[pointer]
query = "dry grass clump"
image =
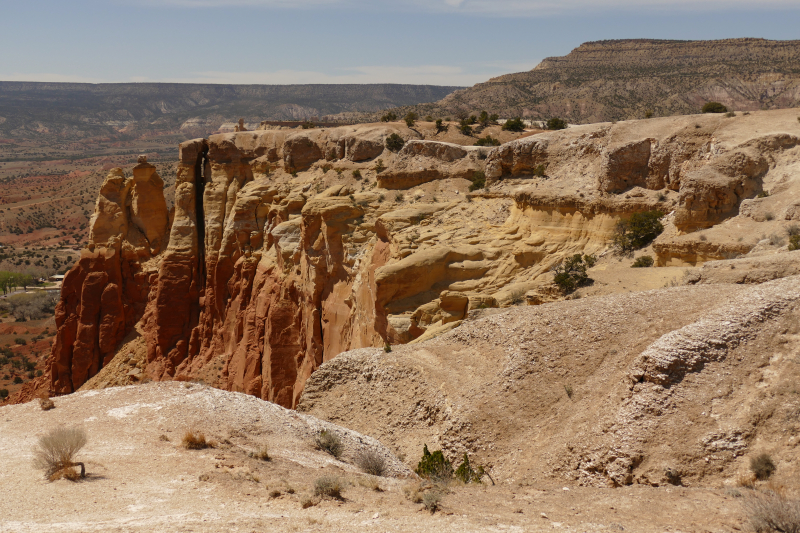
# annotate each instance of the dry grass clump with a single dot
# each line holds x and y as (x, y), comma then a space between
(762, 466)
(329, 487)
(308, 501)
(772, 511)
(432, 500)
(56, 451)
(195, 440)
(46, 403)
(371, 483)
(330, 442)
(261, 454)
(371, 462)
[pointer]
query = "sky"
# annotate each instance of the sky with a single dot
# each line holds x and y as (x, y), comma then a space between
(440, 42)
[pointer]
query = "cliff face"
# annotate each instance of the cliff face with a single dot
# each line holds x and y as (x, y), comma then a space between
(285, 249)
(622, 79)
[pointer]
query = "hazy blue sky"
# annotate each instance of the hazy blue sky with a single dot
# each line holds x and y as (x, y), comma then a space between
(445, 42)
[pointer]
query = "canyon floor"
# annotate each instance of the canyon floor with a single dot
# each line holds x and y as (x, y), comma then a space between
(140, 478)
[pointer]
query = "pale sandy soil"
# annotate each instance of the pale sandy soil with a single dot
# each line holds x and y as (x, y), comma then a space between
(138, 482)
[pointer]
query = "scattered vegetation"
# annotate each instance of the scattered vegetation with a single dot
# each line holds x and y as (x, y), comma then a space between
(371, 462)
(308, 125)
(195, 440)
(644, 261)
(571, 274)
(794, 242)
(466, 474)
(56, 451)
(329, 487)
(514, 124)
(432, 500)
(556, 123)
(539, 171)
(399, 197)
(379, 166)
(394, 142)
(648, 113)
(763, 194)
(487, 141)
(730, 114)
(714, 107)
(389, 117)
(762, 466)
(639, 230)
(770, 511)
(357, 174)
(434, 465)
(441, 126)
(262, 454)
(330, 442)
(465, 127)
(478, 181)
(410, 118)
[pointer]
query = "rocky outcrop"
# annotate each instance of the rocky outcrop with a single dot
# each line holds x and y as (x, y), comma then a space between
(419, 162)
(263, 271)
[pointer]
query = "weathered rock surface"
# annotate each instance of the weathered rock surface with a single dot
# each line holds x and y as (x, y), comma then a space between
(267, 271)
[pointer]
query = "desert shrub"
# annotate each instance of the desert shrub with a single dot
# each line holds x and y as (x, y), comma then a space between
(465, 128)
(478, 181)
(308, 125)
(644, 261)
(434, 465)
(432, 500)
(794, 242)
(441, 126)
(17, 380)
(514, 124)
(769, 511)
(371, 462)
(410, 118)
(4, 393)
(329, 487)
(394, 142)
(714, 107)
(357, 174)
(466, 473)
(195, 440)
(539, 171)
(762, 466)
(661, 197)
(730, 114)
(648, 113)
(387, 348)
(637, 231)
(556, 123)
(379, 166)
(569, 390)
(769, 216)
(330, 442)
(793, 229)
(398, 197)
(20, 340)
(46, 403)
(389, 117)
(308, 501)
(56, 451)
(571, 273)
(262, 454)
(487, 141)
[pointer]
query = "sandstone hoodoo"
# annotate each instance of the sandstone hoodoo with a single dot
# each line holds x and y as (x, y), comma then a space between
(285, 248)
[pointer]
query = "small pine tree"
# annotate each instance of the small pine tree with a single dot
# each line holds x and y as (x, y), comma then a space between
(514, 124)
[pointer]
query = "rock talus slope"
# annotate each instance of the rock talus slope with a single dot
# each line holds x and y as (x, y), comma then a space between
(286, 248)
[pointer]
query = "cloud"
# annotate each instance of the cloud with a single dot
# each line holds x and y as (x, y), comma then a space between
(510, 8)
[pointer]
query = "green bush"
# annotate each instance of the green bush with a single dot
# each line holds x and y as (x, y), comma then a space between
(387, 348)
(714, 107)
(434, 465)
(465, 128)
(308, 125)
(410, 118)
(643, 262)
(571, 273)
(483, 119)
(648, 113)
(4, 393)
(379, 166)
(539, 171)
(329, 487)
(762, 466)
(514, 124)
(487, 141)
(794, 242)
(357, 174)
(478, 181)
(556, 123)
(371, 462)
(432, 500)
(394, 142)
(467, 474)
(389, 117)
(637, 231)
(20, 340)
(441, 126)
(17, 380)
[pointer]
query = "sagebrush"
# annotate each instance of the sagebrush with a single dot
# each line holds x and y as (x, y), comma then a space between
(55, 453)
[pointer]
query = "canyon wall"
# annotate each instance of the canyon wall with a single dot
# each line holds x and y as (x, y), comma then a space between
(285, 248)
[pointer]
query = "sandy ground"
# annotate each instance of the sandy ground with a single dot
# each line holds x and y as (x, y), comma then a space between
(138, 482)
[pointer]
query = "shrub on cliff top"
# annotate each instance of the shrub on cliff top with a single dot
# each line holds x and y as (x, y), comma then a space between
(556, 123)
(637, 231)
(389, 117)
(394, 142)
(487, 141)
(514, 124)
(714, 107)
